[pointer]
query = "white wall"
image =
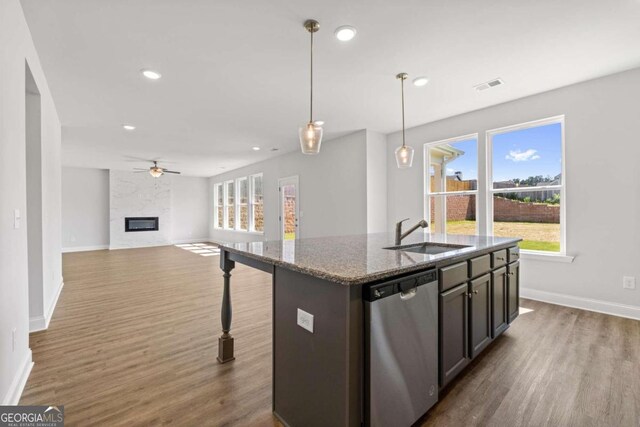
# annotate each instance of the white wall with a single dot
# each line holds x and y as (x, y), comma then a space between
(86, 194)
(332, 190)
(85, 209)
(602, 179)
(190, 204)
(17, 47)
(376, 182)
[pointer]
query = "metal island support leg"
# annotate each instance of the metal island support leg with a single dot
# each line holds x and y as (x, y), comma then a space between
(225, 342)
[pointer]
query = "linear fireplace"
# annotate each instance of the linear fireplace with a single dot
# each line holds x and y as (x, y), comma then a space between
(148, 223)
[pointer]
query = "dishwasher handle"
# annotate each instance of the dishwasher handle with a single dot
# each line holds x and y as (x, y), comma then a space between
(408, 290)
(409, 294)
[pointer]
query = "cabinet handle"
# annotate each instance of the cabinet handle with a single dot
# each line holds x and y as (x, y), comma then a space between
(475, 292)
(512, 273)
(499, 258)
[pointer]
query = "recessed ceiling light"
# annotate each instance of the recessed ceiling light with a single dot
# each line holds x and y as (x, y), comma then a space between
(345, 33)
(128, 127)
(152, 75)
(256, 148)
(420, 81)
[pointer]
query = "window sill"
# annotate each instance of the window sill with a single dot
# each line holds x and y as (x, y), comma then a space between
(545, 256)
(257, 233)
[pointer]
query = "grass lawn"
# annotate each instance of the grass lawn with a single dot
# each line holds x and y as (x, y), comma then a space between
(536, 236)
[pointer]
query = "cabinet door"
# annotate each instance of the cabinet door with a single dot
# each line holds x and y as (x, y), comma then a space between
(499, 301)
(454, 337)
(513, 291)
(479, 314)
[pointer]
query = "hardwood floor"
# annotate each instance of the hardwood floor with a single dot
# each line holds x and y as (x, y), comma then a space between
(134, 342)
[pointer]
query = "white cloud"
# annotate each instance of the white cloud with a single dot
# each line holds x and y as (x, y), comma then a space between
(522, 156)
(450, 171)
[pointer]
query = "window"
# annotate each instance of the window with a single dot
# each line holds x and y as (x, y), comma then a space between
(218, 215)
(239, 205)
(229, 205)
(243, 204)
(522, 193)
(452, 185)
(257, 206)
(526, 191)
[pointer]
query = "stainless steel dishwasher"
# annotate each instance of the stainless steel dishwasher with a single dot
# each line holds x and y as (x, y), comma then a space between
(401, 349)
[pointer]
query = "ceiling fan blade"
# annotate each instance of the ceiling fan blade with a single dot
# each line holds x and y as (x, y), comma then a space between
(166, 171)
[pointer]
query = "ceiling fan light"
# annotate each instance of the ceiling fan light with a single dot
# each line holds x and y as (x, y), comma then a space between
(310, 138)
(404, 156)
(155, 172)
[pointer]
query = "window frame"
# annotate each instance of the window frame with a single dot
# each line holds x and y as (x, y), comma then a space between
(225, 210)
(252, 203)
(224, 185)
(217, 187)
(427, 194)
(238, 204)
(562, 187)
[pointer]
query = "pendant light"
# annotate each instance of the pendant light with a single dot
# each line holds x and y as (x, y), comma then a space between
(404, 153)
(311, 133)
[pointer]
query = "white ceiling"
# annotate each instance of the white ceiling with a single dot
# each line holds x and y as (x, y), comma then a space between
(235, 73)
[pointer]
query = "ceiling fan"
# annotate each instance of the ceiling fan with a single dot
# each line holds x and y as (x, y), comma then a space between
(155, 170)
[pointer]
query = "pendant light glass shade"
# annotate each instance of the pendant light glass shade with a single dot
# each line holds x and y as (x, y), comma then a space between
(404, 156)
(311, 133)
(310, 138)
(404, 153)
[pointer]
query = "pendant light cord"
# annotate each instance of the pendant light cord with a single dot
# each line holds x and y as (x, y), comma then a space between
(402, 90)
(311, 79)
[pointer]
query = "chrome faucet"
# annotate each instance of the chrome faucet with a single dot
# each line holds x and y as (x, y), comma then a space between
(400, 235)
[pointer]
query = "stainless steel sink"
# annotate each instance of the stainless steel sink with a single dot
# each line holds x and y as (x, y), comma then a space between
(428, 248)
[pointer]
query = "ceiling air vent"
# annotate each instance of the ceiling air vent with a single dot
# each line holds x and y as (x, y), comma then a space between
(489, 84)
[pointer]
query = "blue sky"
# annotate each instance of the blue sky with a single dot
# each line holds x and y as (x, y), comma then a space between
(519, 154)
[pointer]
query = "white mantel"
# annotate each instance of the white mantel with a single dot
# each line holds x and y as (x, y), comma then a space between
(139, 195)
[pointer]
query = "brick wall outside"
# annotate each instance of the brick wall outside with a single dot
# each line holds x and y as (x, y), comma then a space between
(507, 210)
(460, 208)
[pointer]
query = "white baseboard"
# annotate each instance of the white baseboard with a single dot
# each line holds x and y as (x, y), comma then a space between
(200, 240)
(599, 306)
(85, 248)
(19, 381)
(40, 323)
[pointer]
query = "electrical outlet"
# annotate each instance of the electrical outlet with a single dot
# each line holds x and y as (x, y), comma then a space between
(305, 320)
(13, 340)
(629, 282)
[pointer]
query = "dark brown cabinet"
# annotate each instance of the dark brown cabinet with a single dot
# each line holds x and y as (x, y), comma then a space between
(478, 299)
(499, 321)
(454, 329)
(513, 282)
(479, 314)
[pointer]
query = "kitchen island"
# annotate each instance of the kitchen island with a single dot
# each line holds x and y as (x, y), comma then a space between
(321, 345)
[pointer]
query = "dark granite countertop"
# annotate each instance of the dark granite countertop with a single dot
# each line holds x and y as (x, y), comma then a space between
(358, 259)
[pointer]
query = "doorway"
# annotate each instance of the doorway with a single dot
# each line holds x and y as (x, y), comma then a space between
(33, 156)
(289, 208)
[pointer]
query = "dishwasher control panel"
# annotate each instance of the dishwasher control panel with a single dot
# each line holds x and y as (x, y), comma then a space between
(403, 284)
